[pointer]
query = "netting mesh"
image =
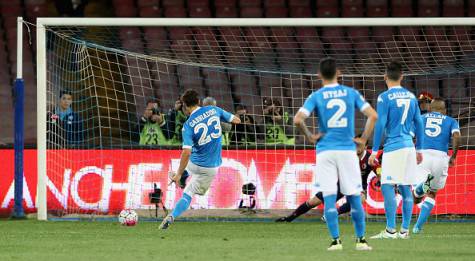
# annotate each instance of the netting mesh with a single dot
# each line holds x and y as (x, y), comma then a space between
(106, 157)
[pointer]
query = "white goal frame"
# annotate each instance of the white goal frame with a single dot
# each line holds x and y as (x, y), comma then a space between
(191, 22)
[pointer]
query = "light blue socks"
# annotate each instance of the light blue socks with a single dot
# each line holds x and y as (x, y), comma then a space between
(181, 206)
(407, 205)
(426, 208)
(390, 205)
(357, 214)
(331, 216)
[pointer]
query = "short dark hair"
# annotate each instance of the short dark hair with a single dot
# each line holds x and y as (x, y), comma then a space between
(65, 91)
(240, 107)
(327, 68)
(394, 71)
(153, 100)
(190, 98)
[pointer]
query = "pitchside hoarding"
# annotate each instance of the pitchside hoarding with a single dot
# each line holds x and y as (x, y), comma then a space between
(108, 181)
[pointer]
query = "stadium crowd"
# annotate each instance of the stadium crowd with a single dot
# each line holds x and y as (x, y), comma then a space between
(158, 127)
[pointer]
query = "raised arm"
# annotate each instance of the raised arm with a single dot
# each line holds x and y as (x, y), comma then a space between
(228, 117)
(236, 120)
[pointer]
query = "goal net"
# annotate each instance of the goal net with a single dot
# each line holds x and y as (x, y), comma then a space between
(120, 136)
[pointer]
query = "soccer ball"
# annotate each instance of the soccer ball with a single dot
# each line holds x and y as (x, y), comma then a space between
(128, 217)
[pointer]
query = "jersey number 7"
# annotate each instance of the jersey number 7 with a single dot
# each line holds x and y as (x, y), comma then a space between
(404, 103)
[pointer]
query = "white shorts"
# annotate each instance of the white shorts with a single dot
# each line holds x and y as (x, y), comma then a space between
(435, 163)
(201, 179)
(338, 166)
(399, 167)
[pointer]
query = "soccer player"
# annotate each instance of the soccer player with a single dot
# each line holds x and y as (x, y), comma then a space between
(317, 200)
(336, 149)
(398, 112)
(201, 155)
(439, 128)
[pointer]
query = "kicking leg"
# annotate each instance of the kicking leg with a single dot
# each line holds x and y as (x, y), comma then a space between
(421, 190)
(181, 206)
(427, 206)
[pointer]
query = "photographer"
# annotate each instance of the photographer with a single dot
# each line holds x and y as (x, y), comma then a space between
(277, 123)
(151, 124)
(245, 132)
(175, 119)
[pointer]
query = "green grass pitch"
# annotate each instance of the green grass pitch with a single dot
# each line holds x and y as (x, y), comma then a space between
(32, 240)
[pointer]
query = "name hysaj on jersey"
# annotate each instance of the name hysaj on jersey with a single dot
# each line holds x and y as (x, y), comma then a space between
(334, 94)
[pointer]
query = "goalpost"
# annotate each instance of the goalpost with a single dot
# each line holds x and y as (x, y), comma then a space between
(114, 66)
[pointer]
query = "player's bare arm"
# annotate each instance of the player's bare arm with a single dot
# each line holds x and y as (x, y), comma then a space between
(299, 122)
(185, 157)
(236, 120)
(372, 116)
(455, 148)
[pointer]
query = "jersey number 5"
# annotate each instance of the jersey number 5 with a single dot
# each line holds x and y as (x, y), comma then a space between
(433, 124)
(205, 138)
(337, 121)
(406, 104)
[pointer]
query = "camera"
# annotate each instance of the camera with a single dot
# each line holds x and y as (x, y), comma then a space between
(248, 189)
(248, 202)
(155, 196)
(156, 111)
(244, 118)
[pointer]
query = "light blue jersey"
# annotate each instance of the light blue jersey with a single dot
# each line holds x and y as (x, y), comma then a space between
(335, 106)
(438, 130)
(398, 116)
(202, 133)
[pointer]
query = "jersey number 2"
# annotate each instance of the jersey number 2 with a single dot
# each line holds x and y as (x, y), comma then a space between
(337, 121)
(205, 138)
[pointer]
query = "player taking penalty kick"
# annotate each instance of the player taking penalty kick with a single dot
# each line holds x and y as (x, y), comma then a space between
(337, 161)
(439, 128)
(201, 154)
(398, 113)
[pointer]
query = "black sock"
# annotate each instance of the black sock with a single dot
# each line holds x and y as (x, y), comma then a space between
(345, 208)
(302, 209)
